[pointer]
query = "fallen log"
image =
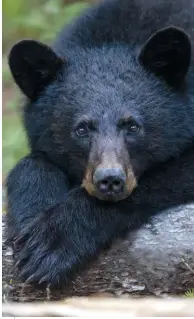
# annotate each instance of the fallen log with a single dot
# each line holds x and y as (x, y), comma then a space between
(158, 259)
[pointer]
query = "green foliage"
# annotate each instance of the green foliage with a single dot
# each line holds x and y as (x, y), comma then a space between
(190, 293)
(13, 104)
(14, 144)
(6, 74)
(38, 19)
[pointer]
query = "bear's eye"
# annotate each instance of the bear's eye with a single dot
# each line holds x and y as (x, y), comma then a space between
(82, 130)
(132, 127)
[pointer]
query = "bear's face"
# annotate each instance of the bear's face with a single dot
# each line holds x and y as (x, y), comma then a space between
(110, 114)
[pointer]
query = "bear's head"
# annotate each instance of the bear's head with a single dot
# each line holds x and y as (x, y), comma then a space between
(108, 113)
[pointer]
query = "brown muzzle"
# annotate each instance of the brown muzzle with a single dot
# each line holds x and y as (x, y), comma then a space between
(109, 179)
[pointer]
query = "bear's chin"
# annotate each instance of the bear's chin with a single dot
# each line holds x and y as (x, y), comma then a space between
(92, 191)
(112, 198)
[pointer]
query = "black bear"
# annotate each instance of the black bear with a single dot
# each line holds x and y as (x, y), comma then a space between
(109, 117)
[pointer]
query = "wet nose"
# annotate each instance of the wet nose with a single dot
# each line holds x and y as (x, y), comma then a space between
(110, 181)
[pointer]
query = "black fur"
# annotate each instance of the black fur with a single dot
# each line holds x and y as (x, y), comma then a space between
(101, 72)
(55, 243)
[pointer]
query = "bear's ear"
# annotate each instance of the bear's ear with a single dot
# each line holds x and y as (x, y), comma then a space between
(33, 65)
(167, 54)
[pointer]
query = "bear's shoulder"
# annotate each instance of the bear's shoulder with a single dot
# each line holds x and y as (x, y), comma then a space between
(125, 21)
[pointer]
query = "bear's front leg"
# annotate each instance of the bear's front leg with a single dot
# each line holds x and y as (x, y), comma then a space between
(33, 185)
(64, 238)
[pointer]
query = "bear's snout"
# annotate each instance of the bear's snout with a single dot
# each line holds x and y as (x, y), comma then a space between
(109, 174)
(110, 181)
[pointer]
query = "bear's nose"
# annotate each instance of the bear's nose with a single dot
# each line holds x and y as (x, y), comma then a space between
(110, 181)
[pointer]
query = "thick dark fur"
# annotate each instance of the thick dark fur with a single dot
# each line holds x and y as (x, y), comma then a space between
(55, 225)
(57, 242)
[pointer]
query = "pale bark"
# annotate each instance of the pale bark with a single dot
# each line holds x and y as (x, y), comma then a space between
(155, 260)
